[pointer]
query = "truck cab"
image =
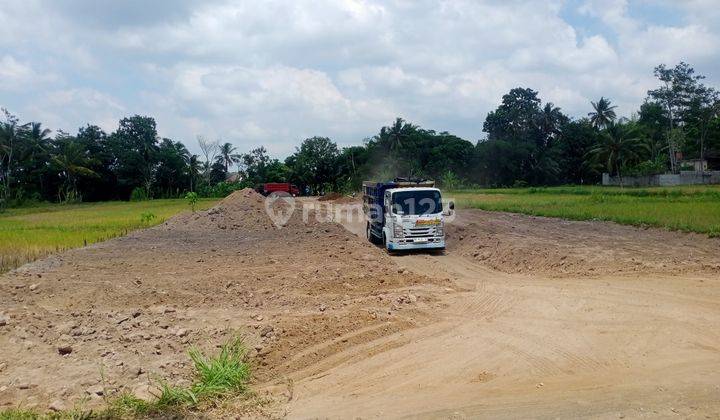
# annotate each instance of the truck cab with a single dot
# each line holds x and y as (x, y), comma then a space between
(405, 215)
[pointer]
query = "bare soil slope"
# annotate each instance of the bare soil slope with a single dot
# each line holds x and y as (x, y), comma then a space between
(542, 340)
(515, 243)
(126, 311)
(520, 317)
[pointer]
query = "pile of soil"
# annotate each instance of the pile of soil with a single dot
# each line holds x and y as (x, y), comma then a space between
(330, 197)
(115, 316)
(515, 243)
(241, 210)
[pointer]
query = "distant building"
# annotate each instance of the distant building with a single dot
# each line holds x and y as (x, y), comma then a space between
(696, 165)
(234, 177)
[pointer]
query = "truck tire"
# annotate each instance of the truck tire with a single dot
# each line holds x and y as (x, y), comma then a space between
(372, 238)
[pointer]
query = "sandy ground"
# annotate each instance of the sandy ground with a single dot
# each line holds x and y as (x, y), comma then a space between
(520, 317)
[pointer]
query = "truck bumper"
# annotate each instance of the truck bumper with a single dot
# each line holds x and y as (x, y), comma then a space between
(395, 246)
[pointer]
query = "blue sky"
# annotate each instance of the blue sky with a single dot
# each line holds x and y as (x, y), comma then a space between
(273, 73)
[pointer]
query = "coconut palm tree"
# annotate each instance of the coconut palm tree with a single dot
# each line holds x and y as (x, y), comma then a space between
(551, 119)
(194, 167)
(396, 134)
(604, 113)
(36, 152)
(73, 163)
(618, 146)
(9, 140)
(227, 155)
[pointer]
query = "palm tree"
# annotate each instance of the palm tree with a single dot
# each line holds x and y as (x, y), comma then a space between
(73, 163)
(9, 140)
(194, 167)
(604, 113)
(618, 146)
(394, 135)
(227, 155)
(37, 152)
(551, 119)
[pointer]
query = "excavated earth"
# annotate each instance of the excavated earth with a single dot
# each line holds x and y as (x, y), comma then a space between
(118, 315)
(520, 317)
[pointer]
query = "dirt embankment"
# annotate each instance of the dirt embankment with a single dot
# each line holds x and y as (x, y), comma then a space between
(338, 328)
(115, 316)
(514, 243)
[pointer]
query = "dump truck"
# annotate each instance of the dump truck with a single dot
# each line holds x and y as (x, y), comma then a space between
(405, 214)
(280, 188)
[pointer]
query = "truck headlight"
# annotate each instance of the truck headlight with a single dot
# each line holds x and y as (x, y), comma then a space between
(397, 230)
(439, 230)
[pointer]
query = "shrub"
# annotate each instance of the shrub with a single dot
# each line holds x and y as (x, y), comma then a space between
(647, 168)
(449, 180)
(192, 199)
(147, 217)
(139, 194)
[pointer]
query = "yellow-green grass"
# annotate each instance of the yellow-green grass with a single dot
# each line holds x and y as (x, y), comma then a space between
(685, 208)
(30, 233)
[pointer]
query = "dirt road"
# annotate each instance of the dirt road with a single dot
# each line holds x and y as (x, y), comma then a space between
(642, 344)
(521, 317)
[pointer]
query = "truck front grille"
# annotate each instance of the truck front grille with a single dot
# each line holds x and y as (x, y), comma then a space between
(419, 232)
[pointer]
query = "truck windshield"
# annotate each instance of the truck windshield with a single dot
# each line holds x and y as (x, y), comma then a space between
(417, 202)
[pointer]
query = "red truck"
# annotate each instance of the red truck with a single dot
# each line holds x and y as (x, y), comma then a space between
(280, 187)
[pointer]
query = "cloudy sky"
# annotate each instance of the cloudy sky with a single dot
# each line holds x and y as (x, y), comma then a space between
(274, 72)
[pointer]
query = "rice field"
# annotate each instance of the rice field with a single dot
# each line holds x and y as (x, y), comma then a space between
(27, 234)
(685, 208)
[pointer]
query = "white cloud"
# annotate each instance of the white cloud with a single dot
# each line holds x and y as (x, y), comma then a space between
(70, 109)
(18, 76)
(274, 73)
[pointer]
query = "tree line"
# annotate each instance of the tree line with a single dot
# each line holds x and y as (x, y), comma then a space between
(527, 143)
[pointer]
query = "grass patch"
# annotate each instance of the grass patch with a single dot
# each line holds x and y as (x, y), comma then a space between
(223, 375)
(217, 378)
(17, 414)
(27, 234)
(686, 208)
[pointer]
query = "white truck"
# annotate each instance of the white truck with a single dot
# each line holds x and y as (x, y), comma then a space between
(405, 214)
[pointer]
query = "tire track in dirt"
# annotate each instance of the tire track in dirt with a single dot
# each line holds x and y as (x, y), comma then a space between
(533, 345)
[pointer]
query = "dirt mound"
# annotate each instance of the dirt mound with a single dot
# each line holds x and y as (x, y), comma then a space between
(242, 210)
(131, 307)
(331, 196)
(515, 243)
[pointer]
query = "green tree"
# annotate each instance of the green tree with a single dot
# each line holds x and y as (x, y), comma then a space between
(315, 163)
(135, 148)
(9, 144)
(516, 119)
(395, 135)
(679, 88)
(619, 146)
(227, 155)
(172, 172)
(523, 131)
(194, 166)
(603, 113)
(578, 137)
(103, 187)
(652, 123)
(73, 162)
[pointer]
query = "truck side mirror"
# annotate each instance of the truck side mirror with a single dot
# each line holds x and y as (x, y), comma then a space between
(452, 205)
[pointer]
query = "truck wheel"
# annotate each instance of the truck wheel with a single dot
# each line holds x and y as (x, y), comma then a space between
(370, 237)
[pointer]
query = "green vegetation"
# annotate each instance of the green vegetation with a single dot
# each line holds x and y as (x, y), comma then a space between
(526, 142)
(192, 200)
(688, 208)
(217, 379)
(32, 232)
